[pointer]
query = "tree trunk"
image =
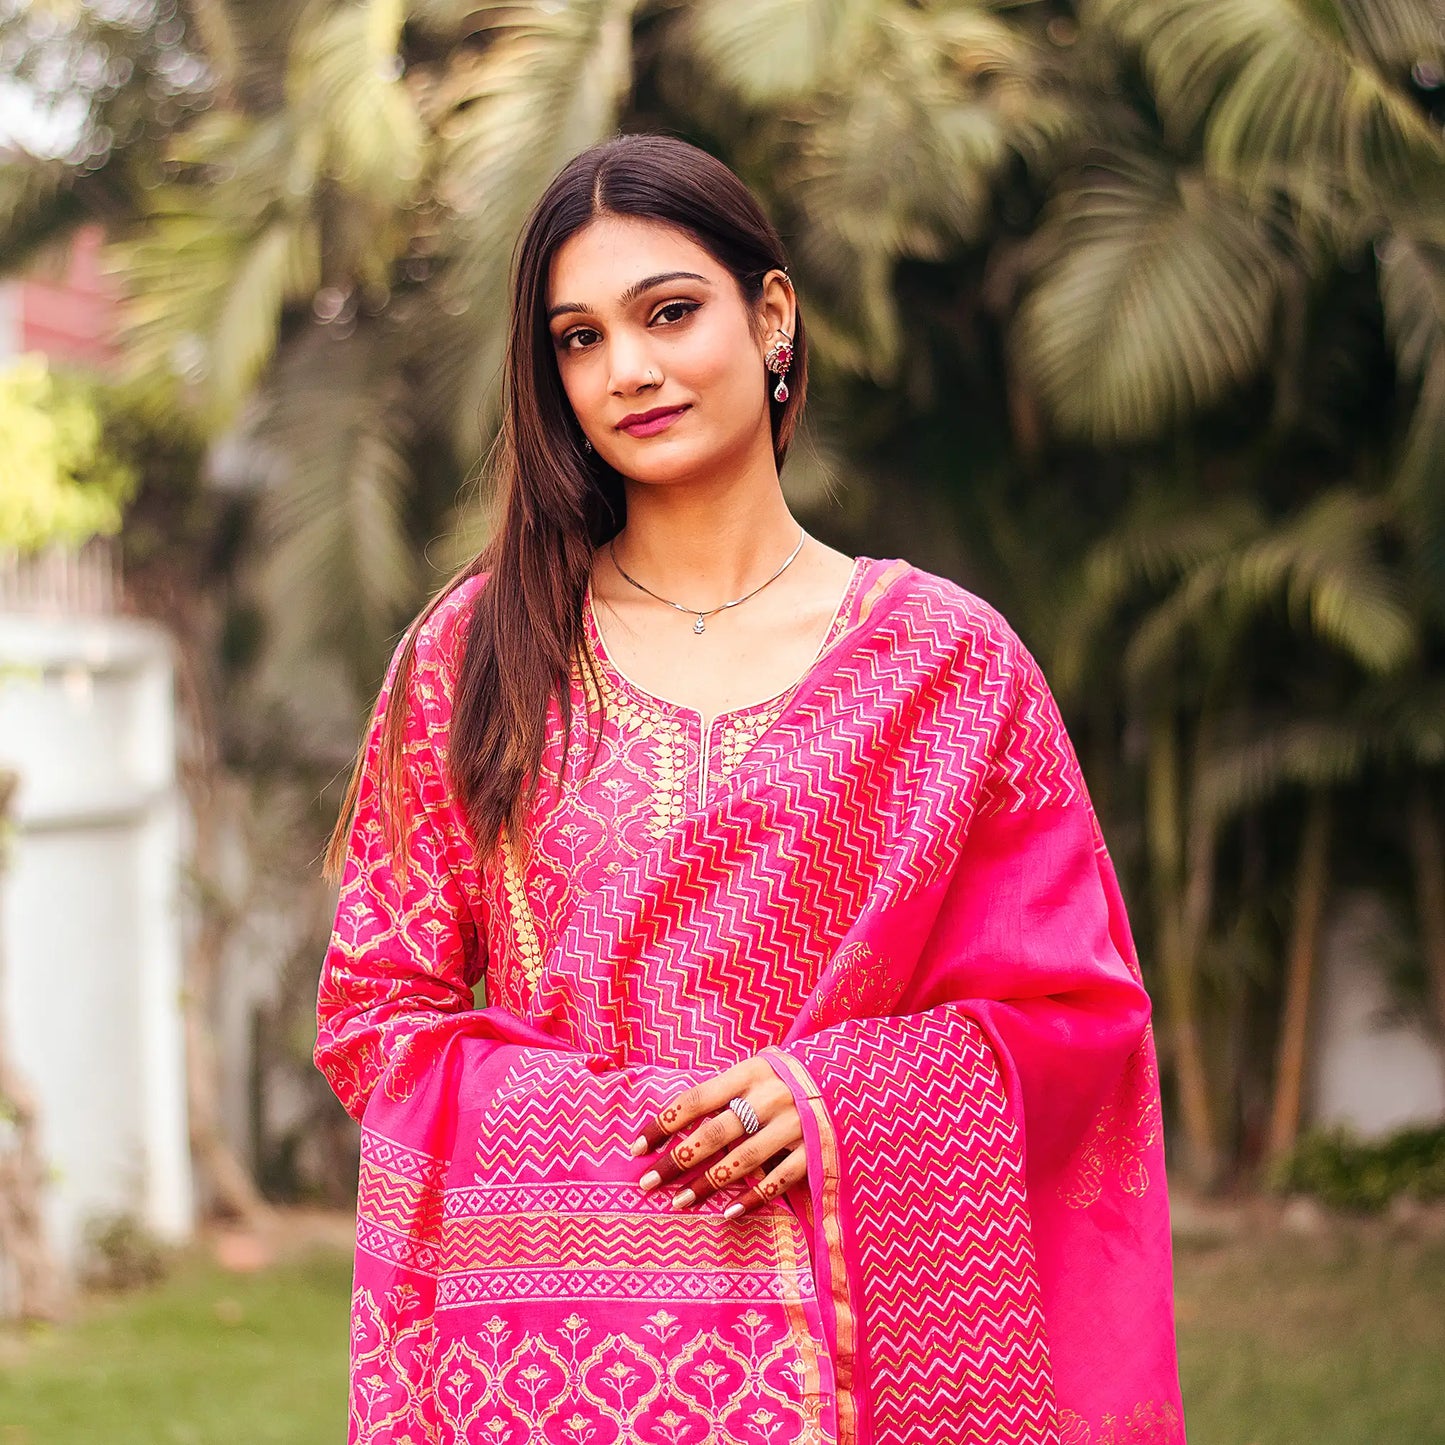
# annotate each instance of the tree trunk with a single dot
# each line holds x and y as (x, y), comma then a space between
(224, 1183)
(1178, 952)
(1427, 852)
(227, 1187)
(36, 1287)
(1311, 884)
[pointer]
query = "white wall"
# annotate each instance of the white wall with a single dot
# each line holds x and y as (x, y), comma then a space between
(1375, 1068)
(90, 918)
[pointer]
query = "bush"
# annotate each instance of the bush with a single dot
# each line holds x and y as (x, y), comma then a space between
(1350, 1173)
(121, 1253)
(63, 484)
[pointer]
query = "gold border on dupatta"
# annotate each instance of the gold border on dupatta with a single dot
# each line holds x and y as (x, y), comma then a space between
(798, 1326)
(845, 1318)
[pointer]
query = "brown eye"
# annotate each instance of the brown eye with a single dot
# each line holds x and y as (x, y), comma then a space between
(686, 307)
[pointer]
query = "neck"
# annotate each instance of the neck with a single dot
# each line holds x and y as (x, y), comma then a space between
(705, 542)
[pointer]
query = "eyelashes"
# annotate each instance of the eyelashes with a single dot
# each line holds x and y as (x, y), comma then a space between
(564, 342)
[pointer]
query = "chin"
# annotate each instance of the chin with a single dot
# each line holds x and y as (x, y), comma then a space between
(659, 470)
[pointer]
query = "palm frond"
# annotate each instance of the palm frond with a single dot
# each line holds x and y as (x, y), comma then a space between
(344, 77)
(1284, 91)
(208, 273)
(1417, 721)
(1157, 546)
(1412, 290)
(248, 45)
(338, 574)
(1156, 298)
(1396, 722)
(1394, 34)
(1189, 612)
(1221, 568)
(770, 51)
(1324, 564)
(1310, 753)
(36, 206)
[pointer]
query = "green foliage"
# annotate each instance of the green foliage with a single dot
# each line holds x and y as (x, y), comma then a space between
(1155, 297)
(1350, 1173)
(1282, 1340)
(1285, 96)
(62, 482)
(105, 84)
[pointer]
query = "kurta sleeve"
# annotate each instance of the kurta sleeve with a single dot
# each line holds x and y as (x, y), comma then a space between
(405, 950)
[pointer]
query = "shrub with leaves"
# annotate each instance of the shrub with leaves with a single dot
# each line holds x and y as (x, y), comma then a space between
(62, 483)
(1350, 1173)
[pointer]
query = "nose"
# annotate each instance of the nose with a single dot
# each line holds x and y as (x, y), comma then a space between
(630, 362)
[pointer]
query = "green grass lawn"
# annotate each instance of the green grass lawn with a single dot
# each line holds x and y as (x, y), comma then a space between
(207, 1358)
(1283, 1341)
(1331, 1341)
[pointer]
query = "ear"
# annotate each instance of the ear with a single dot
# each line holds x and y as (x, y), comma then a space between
(778, 306)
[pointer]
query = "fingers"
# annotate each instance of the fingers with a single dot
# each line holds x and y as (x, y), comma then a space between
(781, 1134)
(793, 1170)
(702, 1143)
(752, 1079)
(776, 1149)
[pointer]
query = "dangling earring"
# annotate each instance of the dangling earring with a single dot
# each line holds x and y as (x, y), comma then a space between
(587, 443)
(779, 358)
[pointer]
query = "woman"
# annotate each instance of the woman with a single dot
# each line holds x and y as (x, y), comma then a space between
(813, 1097)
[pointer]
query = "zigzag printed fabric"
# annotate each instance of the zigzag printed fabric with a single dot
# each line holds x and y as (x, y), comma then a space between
(890, 883)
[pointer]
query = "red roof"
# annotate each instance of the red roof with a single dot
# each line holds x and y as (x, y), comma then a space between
(70, 315)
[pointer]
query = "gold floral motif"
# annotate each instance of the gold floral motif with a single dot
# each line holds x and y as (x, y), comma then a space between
(857, 983)
(577, 1381)
(1150, 1422)
(738, 734)
(668, 753)
(1117, 1146)
(524, 923)
(669, 775)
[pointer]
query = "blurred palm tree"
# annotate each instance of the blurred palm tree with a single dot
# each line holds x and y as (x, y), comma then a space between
(1183, 597)
(1166, 275)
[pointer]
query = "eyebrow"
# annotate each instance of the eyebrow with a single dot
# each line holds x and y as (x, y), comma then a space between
(632, 293)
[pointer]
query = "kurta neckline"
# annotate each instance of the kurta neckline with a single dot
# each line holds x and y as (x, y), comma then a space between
(641, 695)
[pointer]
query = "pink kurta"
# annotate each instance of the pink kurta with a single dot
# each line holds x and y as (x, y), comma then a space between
(889, 881)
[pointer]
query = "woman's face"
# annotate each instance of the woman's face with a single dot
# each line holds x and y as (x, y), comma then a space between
(628, 299)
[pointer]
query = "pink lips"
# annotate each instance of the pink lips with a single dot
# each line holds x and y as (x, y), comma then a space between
(653, 424)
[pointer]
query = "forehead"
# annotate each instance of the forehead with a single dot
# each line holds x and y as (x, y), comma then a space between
(595, 265)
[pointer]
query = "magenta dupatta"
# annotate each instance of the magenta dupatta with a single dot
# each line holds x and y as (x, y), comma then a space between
(899, 894)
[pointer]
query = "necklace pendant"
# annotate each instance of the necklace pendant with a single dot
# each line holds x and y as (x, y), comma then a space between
(698, 625)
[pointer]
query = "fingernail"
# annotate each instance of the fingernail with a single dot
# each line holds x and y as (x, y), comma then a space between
(638, 1146)
(732, 1211)
(681, 1201)
(649, 1179)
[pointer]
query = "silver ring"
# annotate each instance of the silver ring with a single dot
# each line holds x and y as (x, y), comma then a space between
(744, 1111)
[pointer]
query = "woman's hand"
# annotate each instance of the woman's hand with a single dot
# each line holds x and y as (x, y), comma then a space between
(781, 1134)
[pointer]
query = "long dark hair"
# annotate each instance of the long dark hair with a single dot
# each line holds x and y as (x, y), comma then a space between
(561, 502)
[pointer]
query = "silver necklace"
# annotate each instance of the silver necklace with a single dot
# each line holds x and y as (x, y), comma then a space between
(698, 626)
